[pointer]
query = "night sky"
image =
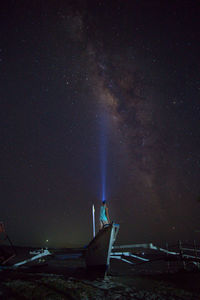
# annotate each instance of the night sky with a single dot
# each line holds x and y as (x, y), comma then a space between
(100, 99)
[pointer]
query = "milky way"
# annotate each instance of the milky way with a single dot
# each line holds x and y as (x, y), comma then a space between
(131, 95)
(100, 93)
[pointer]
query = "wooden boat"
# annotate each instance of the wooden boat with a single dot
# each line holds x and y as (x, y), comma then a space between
(98, 251)
(97, 254)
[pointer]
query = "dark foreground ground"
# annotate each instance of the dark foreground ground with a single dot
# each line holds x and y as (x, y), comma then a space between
(68, 279)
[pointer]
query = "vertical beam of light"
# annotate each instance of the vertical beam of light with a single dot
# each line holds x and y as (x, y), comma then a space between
(103, 154)
(103, 173)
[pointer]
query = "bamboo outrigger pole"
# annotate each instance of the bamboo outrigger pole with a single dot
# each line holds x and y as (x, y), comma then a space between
(93, 219)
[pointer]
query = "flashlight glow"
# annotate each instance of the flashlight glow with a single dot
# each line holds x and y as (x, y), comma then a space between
(103, 159)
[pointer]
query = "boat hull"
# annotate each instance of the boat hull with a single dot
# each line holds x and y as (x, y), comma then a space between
(99, 249)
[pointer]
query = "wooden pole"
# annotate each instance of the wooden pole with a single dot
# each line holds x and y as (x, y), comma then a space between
(167, 257)
(181, 253)
(93, 219)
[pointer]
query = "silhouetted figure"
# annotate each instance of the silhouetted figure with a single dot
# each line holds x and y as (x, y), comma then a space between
(104, 216)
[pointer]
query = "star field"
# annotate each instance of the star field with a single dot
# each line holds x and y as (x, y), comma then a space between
(99, 87)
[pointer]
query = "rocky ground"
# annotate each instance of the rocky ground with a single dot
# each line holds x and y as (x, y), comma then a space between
(68, 279)
(23, 285)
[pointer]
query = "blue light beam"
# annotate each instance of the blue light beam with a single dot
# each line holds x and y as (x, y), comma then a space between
(103, 155)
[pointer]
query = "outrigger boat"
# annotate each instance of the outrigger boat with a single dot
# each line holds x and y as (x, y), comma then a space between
(98, 252)
(12, 257)
(186, 254)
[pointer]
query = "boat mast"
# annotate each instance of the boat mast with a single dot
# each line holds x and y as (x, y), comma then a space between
(93, 218)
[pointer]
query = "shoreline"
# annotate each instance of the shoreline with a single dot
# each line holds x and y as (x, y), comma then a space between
(68, 279)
